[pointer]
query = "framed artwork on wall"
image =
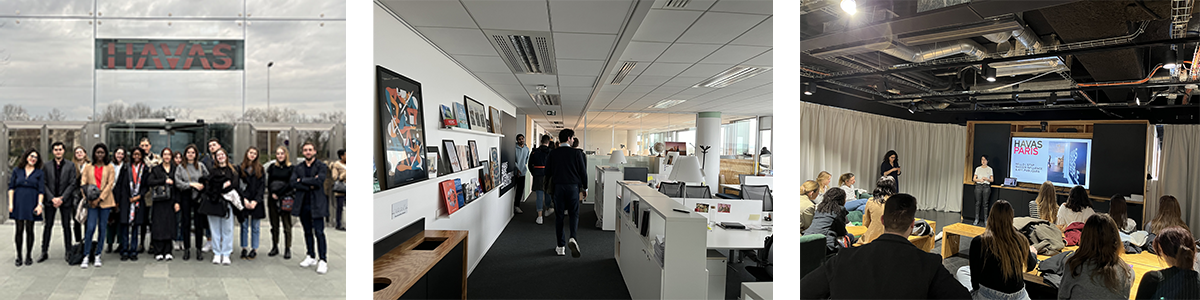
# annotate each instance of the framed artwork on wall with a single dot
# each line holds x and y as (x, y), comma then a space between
(476, 114)
(402, 128)
(494, 166)
(431, 158)
(452, 155)
(474, 151)
(496, 120)
(460, 114)
(449, 196)
(448, 119)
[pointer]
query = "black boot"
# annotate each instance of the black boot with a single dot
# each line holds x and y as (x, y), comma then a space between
(274, 251)
(244, 253)
(187, 253)
(44, 257)
(287, 253)
(199, 255)
(18, 260)
(253, 254)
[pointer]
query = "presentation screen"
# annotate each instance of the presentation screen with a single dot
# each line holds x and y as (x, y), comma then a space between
(1063, 162)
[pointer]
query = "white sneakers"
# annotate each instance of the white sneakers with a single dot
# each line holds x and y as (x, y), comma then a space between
(539, 220)
(225, 260)
(308, 261)
(322, 267)
(216, 259)
(158, 257)
(97, 263)
(169, 257)
(550, 212)
(574, 247)
(178, 245)
(560, 251)
(207, 246)
(85, 263)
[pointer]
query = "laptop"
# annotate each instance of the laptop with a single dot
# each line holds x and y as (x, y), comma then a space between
(1010, 181)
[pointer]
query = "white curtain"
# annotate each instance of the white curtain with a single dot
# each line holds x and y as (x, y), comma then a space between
(1180, 174)
(844, 141)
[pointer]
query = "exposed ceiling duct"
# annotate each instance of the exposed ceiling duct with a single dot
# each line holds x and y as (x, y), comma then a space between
(937, 50)
(1030, 66)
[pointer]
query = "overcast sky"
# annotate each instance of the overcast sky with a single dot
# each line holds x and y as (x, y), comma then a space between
(48, 63)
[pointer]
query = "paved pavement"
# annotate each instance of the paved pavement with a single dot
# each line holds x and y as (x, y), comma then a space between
(262, 278)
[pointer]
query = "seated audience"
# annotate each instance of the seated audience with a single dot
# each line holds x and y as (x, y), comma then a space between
(1096, 270)
(884, 188)
(823, 179)
(808, 191)
(830, 220)
(1169, 215)
(1118, 210)
(1045, 207)
(889, 268)
(1176, 246)
(846, 183)
(1077, 208)
(998, 257)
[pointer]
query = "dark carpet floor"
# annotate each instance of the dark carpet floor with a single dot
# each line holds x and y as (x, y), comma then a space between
(522, 265)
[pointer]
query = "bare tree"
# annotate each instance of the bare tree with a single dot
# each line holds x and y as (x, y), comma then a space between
(14, 112)
(56, 115)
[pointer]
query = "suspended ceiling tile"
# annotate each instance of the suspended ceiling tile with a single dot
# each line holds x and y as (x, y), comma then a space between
(490, 64)
(683, 81)
(584, 92)
(590, 16)
(459, 41)
(662, 25)
(763, 7)
(733, 54)
(687, 53)
(760, 35)
(498, 78)
(643, 52)
(509, 14)
(432, 13)
(583, 46)
(700, 5)
(576, 81)
(666, 69)
(705, 70)
(550, 81)
(719, 28)
(580, 67)
(762, 60)
(650, 80)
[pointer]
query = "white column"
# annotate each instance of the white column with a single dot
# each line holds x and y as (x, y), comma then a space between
(631, 146)
(708, 133)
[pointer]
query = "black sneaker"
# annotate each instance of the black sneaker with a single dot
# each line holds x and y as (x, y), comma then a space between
(244, 253)
(274, 251)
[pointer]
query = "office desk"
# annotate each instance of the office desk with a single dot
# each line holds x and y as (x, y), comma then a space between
(757, 290)
(730, 186)
(736, 239)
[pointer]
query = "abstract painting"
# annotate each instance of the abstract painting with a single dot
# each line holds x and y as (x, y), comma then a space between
(402, 127)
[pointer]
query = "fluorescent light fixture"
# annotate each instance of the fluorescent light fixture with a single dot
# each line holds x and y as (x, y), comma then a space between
(849, 6)
(731, 76)
(666, 104)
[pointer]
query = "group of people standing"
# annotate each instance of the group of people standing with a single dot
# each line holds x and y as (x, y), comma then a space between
(172, 195)
(559, 180)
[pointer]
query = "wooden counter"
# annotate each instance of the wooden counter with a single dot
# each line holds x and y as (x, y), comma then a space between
(404, 267)
(1141, 263)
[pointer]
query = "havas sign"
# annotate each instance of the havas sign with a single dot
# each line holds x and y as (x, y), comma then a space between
(172, 55)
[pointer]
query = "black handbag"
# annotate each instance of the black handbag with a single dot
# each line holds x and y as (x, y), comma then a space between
(159, 193)
(339, 187)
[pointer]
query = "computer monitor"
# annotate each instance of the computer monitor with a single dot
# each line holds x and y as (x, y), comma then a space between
(637, 173)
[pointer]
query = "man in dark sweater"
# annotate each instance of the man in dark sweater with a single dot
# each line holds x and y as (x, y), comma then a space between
(566, 168)
(890, 267)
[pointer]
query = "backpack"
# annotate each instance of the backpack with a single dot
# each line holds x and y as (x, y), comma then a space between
(75, 254)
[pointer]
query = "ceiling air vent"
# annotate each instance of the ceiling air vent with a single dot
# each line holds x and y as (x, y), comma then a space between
(625, 69)
(525, 52)
(676, 3)
(556, 122)
(545, 99)
(731, 76)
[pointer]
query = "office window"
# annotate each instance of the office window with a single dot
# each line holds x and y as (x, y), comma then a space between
(738, 138)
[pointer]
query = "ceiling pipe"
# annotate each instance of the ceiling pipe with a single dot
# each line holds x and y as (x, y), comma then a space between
(1074, 89)
(937, 50)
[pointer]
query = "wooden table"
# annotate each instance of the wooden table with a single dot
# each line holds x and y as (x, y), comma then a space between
(403, 267)
(951, 234)
(1141, 263)
(925, 242)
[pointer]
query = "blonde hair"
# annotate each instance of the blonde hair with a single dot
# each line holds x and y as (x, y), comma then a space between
(808, 187)
(80, 163)
(287, 161)
(844, 178)
(1047, 202)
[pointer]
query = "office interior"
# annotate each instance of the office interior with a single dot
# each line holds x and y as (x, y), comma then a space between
(671, 101)
(945, 82)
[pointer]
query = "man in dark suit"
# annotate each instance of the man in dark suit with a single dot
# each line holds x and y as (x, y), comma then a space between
(308, 178)
(62, 190)
(890, 267)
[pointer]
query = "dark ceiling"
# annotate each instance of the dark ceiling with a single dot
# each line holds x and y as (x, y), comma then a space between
(849, 61)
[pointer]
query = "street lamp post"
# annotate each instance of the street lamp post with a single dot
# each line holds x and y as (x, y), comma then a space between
(269, 64)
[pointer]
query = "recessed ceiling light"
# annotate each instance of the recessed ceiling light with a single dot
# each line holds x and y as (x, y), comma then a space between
(731, 76)
(849, 6)
(666, 104)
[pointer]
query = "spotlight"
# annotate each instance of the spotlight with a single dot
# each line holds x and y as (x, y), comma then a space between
(1169, 62)
(849, 6)
(989, 73)
(1141, 96)
(1053, 99)
(912, 107)
(810, 89)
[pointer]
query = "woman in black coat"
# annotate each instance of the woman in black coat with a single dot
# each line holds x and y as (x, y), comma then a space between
(222, 179)
(891, 167)
(254, 179)
(130, 188)
(278, 174)
(162, 212)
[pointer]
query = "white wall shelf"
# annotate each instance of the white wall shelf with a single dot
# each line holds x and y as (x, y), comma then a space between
(464, 130)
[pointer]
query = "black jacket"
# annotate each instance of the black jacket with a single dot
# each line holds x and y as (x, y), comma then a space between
(309, 182)
(890, 267)
(213, 201)
(158, 176)
(538, 159)
(566, 165)
(255, 187)
(277, 173)
(123, 195)
(68, 183)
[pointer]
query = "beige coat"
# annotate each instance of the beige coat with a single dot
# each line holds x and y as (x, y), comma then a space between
(108, 181)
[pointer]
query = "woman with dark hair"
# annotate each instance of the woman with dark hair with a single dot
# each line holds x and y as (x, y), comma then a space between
(983, 189)
(873, 215)
(1096, 270)
(830, 220)
(163, 226)
(100, 174)
(253, 176)
(1169, 215)
(1177, 248)
(891, 167)
(1077, 208)
(998, 258)
(118, 163)
(26, 191)
(1119, 211)
(189, 181)
(219, 207)
(537, 168)
(131, 210)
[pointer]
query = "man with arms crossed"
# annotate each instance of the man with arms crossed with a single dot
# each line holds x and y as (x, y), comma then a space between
(890, 267)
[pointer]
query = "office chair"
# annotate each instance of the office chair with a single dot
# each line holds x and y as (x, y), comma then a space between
(671, 189)
(762, 272)
(696, 192)
(758, 192)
